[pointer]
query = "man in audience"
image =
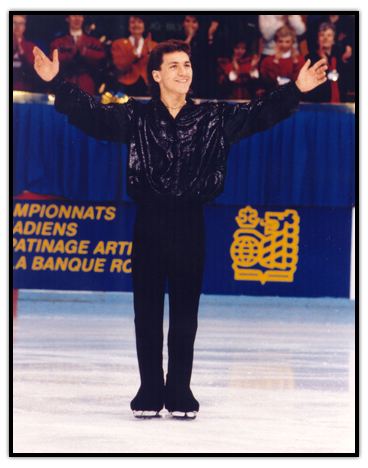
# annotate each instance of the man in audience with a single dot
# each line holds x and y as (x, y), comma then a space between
(80, 55)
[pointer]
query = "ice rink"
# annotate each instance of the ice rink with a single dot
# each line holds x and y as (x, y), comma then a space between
(272, 375)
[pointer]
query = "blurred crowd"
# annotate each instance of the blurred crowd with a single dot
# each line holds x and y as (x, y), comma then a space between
(233, 56)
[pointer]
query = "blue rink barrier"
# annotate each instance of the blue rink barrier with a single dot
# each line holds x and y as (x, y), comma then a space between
(250, 250)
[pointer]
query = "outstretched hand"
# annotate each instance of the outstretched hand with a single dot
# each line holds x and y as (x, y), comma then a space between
(311, 77)
(46, 68)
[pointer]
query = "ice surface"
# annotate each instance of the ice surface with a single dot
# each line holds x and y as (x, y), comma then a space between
(272, 375)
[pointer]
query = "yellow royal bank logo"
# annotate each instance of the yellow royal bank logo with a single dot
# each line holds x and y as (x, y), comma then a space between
(270, 243)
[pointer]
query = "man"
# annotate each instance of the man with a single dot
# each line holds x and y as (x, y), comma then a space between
(177, 162)
(80, 55)
(23, 72)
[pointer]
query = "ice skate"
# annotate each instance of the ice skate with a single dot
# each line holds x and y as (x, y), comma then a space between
(183, 415)
(139, 414)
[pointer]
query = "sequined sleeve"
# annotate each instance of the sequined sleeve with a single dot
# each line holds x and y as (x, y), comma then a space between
(246, 119)
(109, 122)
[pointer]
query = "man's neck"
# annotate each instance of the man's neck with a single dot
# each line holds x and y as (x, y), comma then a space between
(173, 102)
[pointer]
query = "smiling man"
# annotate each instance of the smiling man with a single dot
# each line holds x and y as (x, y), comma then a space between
(177, 162)
(174, 78)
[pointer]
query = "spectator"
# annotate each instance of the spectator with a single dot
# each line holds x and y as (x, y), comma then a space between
(329, 91)
(80, 55)
(238, 75)
(23, 72)
(130, 57)
(345, 41)
(269, 24)
(285, 64)
(344, 31)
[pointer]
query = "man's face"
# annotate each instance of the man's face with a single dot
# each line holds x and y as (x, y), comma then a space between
(175, 75)
(136, 26)
(284, 43)
(75, 21)
(190, 23)
(19, 25)
(326, 39)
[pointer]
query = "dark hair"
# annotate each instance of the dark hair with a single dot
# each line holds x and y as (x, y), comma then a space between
(231, 44)
(144, 18)
(156, 58)
(197, 17)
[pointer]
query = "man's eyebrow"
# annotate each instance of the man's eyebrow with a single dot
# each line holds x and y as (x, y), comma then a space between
(175, 63)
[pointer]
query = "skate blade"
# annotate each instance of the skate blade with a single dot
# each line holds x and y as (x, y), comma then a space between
(182, 415)
(146, 414)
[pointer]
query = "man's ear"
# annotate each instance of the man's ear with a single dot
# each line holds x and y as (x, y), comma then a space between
(156, 75)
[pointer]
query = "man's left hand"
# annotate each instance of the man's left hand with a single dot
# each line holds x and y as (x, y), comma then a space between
(311, 77)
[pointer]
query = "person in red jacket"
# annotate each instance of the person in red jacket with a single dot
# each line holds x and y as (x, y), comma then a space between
(23, 59)
(238, 75)
(80, 55)
(130, 57)
(285, 64)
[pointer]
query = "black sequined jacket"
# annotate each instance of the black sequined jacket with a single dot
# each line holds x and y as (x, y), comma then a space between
(181, 160)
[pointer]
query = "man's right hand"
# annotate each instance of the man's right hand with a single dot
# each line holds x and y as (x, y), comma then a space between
(46, 68)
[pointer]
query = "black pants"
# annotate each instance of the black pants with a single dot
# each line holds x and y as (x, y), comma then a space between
(168, 245)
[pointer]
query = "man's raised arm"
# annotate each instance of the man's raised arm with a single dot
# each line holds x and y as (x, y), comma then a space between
(244, 120)
(104, 122)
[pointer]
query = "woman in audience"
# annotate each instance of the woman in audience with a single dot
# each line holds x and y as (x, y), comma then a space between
(328, 49)
(269, 24)
(285, 64)
(238, 75)
(130, 57)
